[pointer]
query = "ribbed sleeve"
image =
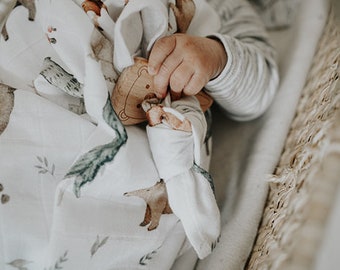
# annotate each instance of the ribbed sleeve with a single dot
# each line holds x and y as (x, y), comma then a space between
(248, 83)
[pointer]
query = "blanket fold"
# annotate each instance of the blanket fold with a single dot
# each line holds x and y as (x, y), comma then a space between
(72, 74)
(177, 154)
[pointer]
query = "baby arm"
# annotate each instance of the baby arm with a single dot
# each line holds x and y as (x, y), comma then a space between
(237, 67)
(246, 87)
(186, 63)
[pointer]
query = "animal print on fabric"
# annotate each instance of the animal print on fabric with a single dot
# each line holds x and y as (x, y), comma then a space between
(6, 105)
(29, 4)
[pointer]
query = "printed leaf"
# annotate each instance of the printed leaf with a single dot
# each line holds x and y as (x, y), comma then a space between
(45, 162)
(88, 165)
(43, 168)
(19, 264)
(97, 244)
(144, 260)
(103, 242)
(205, 174)
(64, 257)
(112, 120)
(59, 262)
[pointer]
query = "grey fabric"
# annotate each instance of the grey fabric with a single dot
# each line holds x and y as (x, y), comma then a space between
(276, 13)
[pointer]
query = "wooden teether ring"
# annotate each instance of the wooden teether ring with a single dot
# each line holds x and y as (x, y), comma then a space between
(133, 86)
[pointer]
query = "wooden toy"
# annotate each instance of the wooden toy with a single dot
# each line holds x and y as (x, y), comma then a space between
(135, 85)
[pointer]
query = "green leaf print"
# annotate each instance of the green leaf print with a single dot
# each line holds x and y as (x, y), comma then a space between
(98, 244)
(58, 264)
(19, 264)
(88, 165)
(111, 118)
(146, 258)
(205, 174)
(43, 166)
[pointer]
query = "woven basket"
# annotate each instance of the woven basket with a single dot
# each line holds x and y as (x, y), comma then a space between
(299, 198)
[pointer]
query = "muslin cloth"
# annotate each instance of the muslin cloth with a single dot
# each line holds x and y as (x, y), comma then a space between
(76, 167)
(178, 159)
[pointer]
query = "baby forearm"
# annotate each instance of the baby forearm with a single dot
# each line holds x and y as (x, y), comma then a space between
(248, 83)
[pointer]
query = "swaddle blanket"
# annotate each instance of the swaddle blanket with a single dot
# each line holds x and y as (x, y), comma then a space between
(66, 161)
(187, 185)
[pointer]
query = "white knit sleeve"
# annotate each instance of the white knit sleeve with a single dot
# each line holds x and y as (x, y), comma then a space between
(248, 83)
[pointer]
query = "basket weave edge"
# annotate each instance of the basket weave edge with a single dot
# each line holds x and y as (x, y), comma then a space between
(290, 195)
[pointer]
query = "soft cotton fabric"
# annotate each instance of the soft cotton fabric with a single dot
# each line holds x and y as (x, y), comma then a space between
(75, 224)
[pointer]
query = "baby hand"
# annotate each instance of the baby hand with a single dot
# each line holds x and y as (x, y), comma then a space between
(185, 63)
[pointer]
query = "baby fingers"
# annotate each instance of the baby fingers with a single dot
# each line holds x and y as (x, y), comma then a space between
(160, 51)
(185, 63)
(165, 73)
(187, 80)
(180, 78)
(196, 84)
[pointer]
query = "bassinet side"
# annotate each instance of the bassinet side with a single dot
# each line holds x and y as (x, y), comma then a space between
(299, 199)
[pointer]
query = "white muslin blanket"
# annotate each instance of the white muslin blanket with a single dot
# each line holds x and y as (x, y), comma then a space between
(66, 161)
(177, 156)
